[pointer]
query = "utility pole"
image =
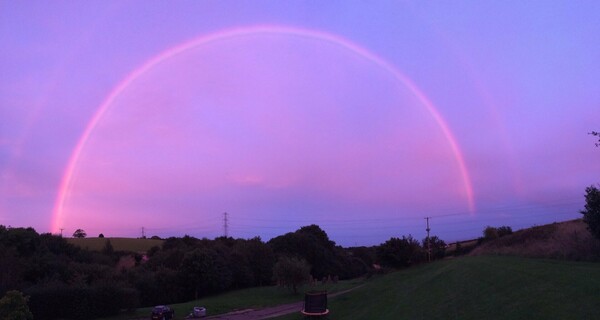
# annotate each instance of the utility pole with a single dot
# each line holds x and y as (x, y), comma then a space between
(143, 233)
(61, 230)
(428, 243)
(225, 225)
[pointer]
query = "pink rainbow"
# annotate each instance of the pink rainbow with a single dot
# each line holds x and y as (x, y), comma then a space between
(65, 184)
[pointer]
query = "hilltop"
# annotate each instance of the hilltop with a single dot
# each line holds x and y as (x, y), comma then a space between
(569, 240)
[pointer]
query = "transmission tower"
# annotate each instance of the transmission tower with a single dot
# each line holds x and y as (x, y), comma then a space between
(225, 225)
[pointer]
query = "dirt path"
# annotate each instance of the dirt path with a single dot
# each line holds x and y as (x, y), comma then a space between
(271, 312)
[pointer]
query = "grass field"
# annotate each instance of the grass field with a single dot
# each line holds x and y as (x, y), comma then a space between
(484, 287)
(481, 287)
(252, 298)
(119, 244)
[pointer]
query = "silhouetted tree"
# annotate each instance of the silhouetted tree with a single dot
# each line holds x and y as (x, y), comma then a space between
(108, 248)
(399, 253)
(291, 272)
(101, 235)
(504, 231)
(490, 233)
(205, 270)
(597, 134)
(591, 212)
(312, 244)
(79, 233)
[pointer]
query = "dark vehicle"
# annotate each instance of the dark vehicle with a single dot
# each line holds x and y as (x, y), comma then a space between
(162, 313)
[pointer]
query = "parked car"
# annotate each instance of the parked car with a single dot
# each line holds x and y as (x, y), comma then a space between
(197, 312)
(162, 313)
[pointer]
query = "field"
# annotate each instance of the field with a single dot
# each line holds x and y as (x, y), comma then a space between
(119, 244)
(481, 287)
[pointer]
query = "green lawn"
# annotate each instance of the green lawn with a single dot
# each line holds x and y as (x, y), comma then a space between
(484, 287)
(252, 298)
(477, 288)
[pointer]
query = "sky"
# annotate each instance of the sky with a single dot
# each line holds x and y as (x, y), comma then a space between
(364, 117)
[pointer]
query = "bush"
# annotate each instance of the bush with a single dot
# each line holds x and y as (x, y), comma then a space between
(398, 253)
(504, 231)
(13, 306)
(490, 233)
(591, 213)
(59, 301)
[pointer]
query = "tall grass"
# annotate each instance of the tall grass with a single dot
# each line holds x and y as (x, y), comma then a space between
(568, 240)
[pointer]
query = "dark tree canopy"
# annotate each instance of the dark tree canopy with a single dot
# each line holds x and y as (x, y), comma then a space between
(591, 212)
(13, 306)
(399, 253)
(437, 245)
(79, 233)
(597, 134)
(291, 272)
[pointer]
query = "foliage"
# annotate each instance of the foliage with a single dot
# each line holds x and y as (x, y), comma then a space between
(504, 231)
(57, 301)
(13, 306)
(291, 272)
(205, 270)
(399, 253)
(458, 250)
(79, 233)
(437, 245)
(591, 212)
(490, 233)
(108, 248)
(597, 134)
(119, 244)
(325, 257)
(67, 281)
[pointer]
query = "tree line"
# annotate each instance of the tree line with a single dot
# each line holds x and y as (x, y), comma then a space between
(63, 281)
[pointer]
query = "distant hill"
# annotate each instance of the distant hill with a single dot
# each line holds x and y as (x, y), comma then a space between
(119, 244)
(569, 240)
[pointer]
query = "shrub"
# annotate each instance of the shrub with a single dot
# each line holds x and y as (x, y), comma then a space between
(13, 306)
(591, 213)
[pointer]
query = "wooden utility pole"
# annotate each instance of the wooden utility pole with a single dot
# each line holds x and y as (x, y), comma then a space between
(225, 225)
(428, 243)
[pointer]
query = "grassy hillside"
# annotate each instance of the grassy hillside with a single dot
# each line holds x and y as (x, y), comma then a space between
(569, 240)
(119, 244)
(477, 288)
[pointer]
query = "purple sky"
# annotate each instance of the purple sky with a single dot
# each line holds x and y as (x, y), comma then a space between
(361, 117)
